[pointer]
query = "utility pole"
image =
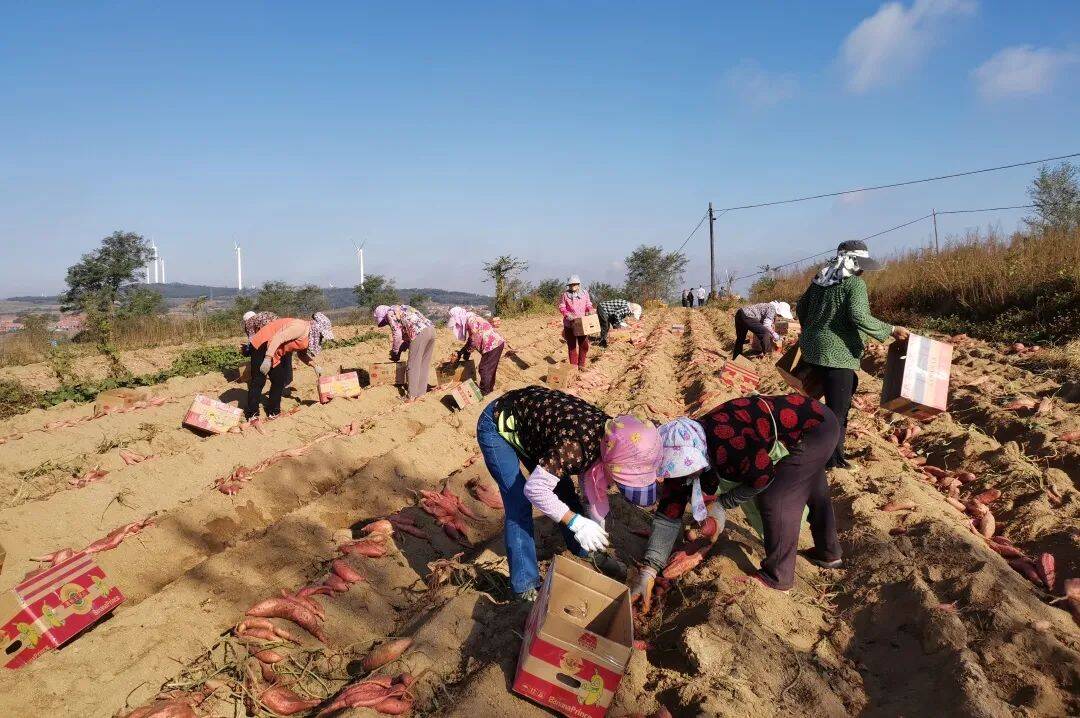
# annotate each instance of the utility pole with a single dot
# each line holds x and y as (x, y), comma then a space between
(712, 253)
(937, 249)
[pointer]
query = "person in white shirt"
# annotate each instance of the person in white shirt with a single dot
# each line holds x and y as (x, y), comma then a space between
(701, 295)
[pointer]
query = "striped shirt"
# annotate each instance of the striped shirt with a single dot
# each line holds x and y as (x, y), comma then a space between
(614, 309)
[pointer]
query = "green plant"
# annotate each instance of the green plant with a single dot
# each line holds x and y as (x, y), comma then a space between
(61, 361)
(16, 398)
(376, 290)
(653, 274)
(504, 271)
(203, 360)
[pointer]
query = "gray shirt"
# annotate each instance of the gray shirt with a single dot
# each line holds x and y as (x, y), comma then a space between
(764, 313)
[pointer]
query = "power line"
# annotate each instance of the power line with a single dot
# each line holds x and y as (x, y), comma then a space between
(902, 184)
(988, 209)
(692, 232)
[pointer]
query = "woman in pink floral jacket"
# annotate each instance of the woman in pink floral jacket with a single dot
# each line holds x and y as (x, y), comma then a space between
(478, 334)
(575, 303)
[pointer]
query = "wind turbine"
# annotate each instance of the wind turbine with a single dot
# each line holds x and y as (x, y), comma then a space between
(360, 259)
(239, 271)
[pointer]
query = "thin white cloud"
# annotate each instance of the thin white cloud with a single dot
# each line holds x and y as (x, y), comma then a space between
(895, 40)
(759, 88)
(1021, 70)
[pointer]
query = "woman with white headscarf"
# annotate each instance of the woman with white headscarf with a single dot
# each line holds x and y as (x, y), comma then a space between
(760, 319)
(273, 346)
(835, 314)
(478, 334)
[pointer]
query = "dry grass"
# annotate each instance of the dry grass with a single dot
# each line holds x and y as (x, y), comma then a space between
(1020, 288)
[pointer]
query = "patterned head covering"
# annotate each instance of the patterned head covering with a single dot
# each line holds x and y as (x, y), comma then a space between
(319, 330)
(254, 321)
(457, 322)
(630, 452)
(684, 451)
(380, 314)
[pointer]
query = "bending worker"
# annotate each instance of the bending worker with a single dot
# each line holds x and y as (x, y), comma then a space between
(478, 334)
(766, 454)
(413, 332)
(612, 312)
(575, 303)
(273, 346)
(556, 436)
(835, 314)
(760, 319)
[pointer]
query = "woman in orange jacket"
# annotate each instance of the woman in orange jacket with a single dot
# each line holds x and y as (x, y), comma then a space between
(273, 347)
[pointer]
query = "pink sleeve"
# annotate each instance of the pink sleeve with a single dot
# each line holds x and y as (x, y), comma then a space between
(540, 491)
(588, 303)
(564, 306)
(395, 328)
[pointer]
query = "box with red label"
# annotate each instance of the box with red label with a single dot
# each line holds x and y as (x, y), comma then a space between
(216, 417)
(739, 374)
(467, 393)
(577, 642)
(452, 371)
(387, 373)
(338, 385)
(800, 376)
(49, 609)
(916, 379)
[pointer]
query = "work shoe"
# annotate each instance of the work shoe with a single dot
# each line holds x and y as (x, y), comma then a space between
(810, 556)
(529, 595)
(608, 565)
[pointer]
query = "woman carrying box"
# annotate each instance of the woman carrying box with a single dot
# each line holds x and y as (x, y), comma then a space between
(557, 436)
(765, 454)
(835, 314)
(413, 332)
(272, 348)
(575, 303)
(478, 334)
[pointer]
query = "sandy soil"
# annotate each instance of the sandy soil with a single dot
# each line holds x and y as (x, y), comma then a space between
(925, 619)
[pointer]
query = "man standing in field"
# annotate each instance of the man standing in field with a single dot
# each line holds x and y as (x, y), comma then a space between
(701, 294)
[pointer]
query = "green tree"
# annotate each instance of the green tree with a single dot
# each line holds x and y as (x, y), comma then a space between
(376, 290)
(1056, 196)
(310, 298)
(242, 304)
(653, 274)
(550, 290)
(504, 271)
(198, 305)
(94, 285)
(419, 299)
(139, 300)
(599, 291)
(277, 297)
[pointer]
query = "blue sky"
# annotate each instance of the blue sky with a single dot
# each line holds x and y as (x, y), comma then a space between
(566, 133)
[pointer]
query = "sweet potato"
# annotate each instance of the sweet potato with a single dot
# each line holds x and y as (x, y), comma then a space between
(284, 701)
(344, 570)
(898, 531)
(1027, 569)
(986, 524)
(935, 471)
(381, 526)
(1070, 436)
(385, 653)
(1046, 570)
(364, 547)
(955, 503)
(681, 563)
(1072, 597)
(709, 527)
(269, 656)
(291, 611)
(336, 584)
(988, 497)
(899, 506)
(394, 706)
(1005, 550)
(966, 477)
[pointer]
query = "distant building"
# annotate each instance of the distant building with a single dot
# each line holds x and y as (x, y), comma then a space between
(9, 325)
(72, 323)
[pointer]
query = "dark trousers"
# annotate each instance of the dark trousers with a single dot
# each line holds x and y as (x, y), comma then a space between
(576, 347)
(280, 377)
(489, 364)
(799, 481)
(605, 327)
(840, 386)
(744, 324)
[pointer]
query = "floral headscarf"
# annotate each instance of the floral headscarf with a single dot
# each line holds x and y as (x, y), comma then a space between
(380, 314)
(684, 450)
(319, 330)
(629, 454)
(254, 321)
(458, 317)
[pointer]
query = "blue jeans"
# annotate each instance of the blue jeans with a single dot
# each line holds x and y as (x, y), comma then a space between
(503, 463)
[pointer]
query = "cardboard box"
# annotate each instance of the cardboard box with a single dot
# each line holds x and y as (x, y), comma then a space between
(466, 394)
(338, 385)
(799, 376)
(678, 328)
(216, 417)
(577, 641)
(561, 376)
(455, 371)
(739, 374)
(916, 379)
(785, 327)
(586, 326)
(48, 610)
(383, 373)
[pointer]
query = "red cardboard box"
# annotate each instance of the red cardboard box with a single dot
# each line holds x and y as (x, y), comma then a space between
(48, 610)
(206, 414)
(916, 379)
(577, 642)
(739, 374)
(799, 376)
(391, 373)
(467, 393)
(338, 385)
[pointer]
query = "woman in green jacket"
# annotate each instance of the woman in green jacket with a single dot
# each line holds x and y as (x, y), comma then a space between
(835, 314)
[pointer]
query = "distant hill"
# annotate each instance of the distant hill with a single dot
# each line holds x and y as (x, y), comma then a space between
(339, 297)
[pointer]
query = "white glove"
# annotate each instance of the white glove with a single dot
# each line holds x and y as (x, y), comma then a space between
(318, 370)
(264, 368)
(588, 533)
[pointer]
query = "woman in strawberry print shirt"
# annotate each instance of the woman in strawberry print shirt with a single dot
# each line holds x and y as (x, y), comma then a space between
(733, 442)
